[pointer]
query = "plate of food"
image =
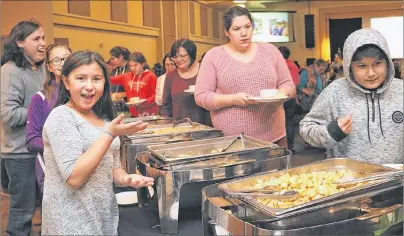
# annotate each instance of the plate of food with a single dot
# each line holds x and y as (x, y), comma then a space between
(135, 101)
(269, 96)
(191, 89)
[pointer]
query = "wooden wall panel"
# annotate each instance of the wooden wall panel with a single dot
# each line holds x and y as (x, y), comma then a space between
(119, 11)
(79, 7)
(191, 18)
(151, 13)
(204, 20)
(169, 27)
(215, 24)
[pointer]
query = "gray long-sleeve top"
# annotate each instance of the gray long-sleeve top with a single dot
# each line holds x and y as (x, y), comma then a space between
(18, 85)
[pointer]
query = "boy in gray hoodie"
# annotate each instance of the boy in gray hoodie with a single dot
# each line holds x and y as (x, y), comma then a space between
(21, 77)
(360, 117)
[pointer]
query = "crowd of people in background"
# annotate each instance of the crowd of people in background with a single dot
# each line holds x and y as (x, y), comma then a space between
(60, 123)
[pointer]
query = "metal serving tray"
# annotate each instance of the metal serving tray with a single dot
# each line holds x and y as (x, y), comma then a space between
(150, 119)
(167, 129)
(360, 168)
(207, 148)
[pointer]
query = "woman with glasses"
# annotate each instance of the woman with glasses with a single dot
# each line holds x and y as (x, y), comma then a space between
(42, 103)
(232, 73)
(176, 102)
(169, 66)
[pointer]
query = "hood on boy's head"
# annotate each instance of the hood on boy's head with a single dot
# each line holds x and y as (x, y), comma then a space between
(358, 39)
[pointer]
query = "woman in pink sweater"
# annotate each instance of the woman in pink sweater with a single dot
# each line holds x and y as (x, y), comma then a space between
(233, 72)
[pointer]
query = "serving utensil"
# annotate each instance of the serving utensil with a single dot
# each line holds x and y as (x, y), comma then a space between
(381, 176)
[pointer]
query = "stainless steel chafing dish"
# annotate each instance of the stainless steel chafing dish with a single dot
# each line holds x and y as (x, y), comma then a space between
(133, 144)
(357, 167)
(151, 119)
(373, 210)
(171, 177)
(208, 149)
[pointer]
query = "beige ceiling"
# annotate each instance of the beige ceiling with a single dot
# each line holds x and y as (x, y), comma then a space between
(291, 5)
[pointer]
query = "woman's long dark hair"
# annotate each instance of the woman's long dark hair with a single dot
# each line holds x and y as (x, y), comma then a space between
(19, 33)
(104, 107)
(48, 88)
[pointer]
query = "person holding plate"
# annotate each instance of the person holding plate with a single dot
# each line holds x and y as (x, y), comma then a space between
(178, 100)
(231, 74)
(140, 86)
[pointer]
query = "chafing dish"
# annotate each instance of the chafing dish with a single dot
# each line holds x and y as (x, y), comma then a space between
(133, 144)
(168, 129)
(207, 149)
(170, 179)
(150, 119)
(377, 212)
(357, 167)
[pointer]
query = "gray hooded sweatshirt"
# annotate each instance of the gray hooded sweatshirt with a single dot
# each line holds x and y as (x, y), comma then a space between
(377, 117)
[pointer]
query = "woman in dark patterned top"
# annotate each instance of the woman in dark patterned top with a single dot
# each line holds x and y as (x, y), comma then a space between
(176, 102)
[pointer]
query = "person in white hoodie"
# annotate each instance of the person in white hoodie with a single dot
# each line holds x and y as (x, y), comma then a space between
(360, 117)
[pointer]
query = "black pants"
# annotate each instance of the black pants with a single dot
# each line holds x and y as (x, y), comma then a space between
(290, 111)
(22, 188)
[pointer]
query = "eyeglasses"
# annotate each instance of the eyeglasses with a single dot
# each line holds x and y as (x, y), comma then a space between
(57, 61)
(180, 56)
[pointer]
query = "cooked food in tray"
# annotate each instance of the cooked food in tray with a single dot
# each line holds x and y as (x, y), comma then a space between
(311, 186)
(171, 130)
(206, 151)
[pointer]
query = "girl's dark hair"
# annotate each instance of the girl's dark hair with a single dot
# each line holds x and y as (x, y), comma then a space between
(19, 33)
(188, 45)
(369, 50)
(285, 51)
(118, 51)
(168, 55)
(203, 55)
(233, 12)
(48, 88)
(139, 58)
(104, 107)
(320, 62)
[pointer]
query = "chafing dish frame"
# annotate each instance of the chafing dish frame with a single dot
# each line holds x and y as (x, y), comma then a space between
(215, 205)
(230, 187)
(160, 150)
(168, 183)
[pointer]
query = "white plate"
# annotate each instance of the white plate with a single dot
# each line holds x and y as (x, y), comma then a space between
(126, 198)
(189, 91)
(136, 103)
(151, 191)
(268, 99)
(395, 166)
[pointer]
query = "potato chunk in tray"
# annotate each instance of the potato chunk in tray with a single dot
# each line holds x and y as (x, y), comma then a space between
(311, 186)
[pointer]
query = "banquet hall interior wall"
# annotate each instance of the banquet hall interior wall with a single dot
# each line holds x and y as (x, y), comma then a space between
(152, 26)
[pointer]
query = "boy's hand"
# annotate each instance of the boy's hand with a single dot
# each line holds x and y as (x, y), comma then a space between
(345, 124)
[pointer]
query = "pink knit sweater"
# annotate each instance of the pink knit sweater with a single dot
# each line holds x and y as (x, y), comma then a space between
(220, 73)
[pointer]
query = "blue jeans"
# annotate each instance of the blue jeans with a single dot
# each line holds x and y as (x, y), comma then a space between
(22, 188)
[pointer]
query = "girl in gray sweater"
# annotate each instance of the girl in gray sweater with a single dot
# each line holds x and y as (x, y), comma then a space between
(81, 153)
